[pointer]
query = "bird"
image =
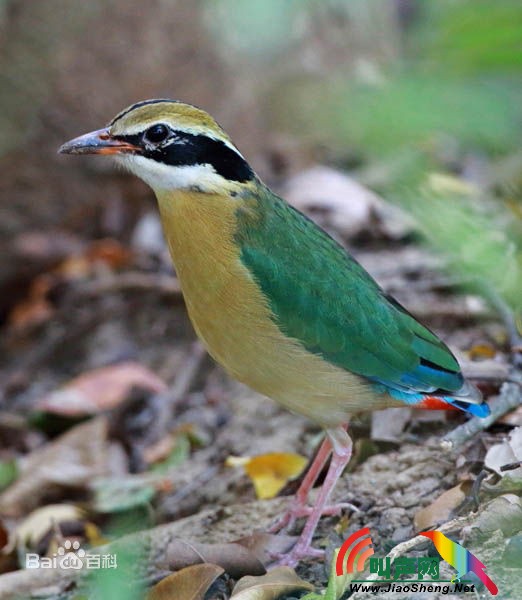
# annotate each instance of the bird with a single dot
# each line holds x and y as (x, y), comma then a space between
(460, 559)
(276, 301)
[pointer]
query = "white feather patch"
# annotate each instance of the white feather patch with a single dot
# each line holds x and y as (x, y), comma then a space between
(160, 176)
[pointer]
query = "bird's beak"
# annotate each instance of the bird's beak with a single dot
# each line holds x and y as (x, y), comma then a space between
(98, 142)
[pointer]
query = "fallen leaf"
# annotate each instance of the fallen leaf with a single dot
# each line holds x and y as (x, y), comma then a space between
(178, 454)
(266, 545)
(233, 557)
(270, 472)
(191, 583)
(507, 453)
(513, 418)
(35, 308)
(442, 183)
(344, 203)
(482, 351)
(159, 450)
(40, 523)
(281, 580)
(100, 389)
(118, 495)
(8, 473)
(110, 252)
(71, 460)
(439, 510)
(45, 249)
(94, 536)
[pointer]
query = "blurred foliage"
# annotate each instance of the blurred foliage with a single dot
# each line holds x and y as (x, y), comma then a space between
(413, 108)
(121, 583)
(443, 99)
(470, 36)
(234, 22)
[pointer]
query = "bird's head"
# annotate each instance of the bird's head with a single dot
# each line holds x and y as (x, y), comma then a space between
(170, 145)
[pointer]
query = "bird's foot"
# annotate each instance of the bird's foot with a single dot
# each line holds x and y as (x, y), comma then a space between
(298, 510)
(299, 552)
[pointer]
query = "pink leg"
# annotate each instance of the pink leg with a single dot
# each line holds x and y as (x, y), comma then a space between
(342, 452)
(298, 506)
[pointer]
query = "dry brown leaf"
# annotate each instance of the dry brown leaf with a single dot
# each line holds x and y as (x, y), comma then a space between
(100, 389)
(160, 450)
(191, 583)
(233, 557)
(35, 309)
(513, 418)
(506, 453)
(270, 472)
(281, 580)
(344, 203)
(440, 509)
(42, 520)
(73, 459)
(109, 251)
(266, 545)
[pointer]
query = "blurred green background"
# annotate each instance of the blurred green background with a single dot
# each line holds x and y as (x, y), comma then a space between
(419, 99)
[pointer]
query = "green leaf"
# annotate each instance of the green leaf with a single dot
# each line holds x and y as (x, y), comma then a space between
(118, 496)
(179, 453)
(8, 473)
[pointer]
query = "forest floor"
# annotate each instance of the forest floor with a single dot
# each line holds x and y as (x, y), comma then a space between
(116, 428)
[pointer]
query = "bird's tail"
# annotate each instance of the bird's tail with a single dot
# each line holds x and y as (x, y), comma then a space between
(468, 399)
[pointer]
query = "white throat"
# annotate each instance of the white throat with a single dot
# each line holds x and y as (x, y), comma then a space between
(160, 176)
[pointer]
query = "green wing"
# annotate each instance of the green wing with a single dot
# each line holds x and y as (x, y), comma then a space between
(323, 298)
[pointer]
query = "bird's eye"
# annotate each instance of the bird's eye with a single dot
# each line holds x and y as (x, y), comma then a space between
(157, 133)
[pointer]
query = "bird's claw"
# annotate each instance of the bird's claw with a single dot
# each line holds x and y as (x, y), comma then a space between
(297, 511)
(298, 553)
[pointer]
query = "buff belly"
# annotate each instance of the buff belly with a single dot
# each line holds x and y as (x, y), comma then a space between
(232, 317)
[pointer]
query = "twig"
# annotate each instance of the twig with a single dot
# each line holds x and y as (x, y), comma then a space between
(487, 370)
(130, 281)
(508, 318)
(510, 397)
(185, 378)
(192, 486)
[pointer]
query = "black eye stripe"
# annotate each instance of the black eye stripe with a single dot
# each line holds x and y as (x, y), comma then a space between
(186, 149)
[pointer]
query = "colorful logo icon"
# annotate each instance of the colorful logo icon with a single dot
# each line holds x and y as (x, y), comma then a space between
(460, 559)
(358, 548)
(362, 549)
